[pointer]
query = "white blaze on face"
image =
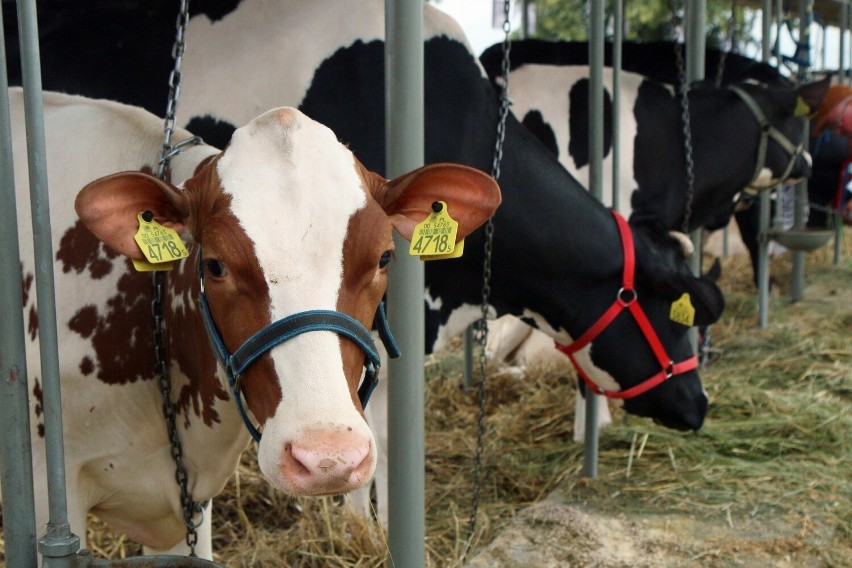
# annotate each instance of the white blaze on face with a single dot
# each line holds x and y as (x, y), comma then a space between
(294, 188)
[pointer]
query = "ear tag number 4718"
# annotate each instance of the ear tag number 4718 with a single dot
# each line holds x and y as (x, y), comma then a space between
(434, 238)
(160, 245)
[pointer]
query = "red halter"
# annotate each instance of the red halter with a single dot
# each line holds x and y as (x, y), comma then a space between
(626, 298)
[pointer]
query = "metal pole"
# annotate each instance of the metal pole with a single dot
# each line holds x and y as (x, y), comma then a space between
(844, 80)
(779, 24)
(596, 62)
(764, 202)
(801, 192)
(695, 48)
(468, 357)
(844, 23)
(404, 100)
(617, 39)
(16, 465)
(59, 545)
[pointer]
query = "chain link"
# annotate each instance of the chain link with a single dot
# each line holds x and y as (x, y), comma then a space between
(683, 87)
(731, 46)
(178, 50)
(190, 508)
(482, 328)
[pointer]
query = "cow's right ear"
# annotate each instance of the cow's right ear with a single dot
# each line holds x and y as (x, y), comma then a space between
(471, 197)
(109, 206)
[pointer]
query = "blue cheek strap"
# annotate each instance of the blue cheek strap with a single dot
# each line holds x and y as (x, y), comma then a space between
(287, 328)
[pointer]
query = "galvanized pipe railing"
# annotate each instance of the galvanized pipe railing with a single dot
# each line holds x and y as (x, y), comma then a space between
(15, 447)
(59, 546)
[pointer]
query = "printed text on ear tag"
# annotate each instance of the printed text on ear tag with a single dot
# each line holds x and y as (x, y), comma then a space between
(457, 252)
(436, 234)
(682, 311)
(160, 245)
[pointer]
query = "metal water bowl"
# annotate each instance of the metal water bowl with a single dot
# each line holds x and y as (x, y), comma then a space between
(800, 239)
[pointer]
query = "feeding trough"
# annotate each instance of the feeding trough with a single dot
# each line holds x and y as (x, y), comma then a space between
(800, 239)
(86, 560)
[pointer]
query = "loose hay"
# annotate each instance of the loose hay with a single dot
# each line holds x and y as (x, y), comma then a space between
(767, 479)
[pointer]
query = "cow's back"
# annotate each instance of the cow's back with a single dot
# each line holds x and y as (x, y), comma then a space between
(289, 58)
(559, 94)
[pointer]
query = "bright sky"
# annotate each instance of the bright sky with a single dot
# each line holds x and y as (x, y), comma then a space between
(474, 16)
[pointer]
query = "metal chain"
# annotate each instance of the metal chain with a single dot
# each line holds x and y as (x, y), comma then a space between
(486, 279)
(178, 50)
(687, 130)
(731, 47)
(190, 507)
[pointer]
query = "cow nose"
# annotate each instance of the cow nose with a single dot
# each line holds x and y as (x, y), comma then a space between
(327, 462)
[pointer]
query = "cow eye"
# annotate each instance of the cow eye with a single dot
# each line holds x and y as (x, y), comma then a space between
(386, 258)
(214, 267)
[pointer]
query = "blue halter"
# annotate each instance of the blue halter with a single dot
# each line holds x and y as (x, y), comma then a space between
(287, 328)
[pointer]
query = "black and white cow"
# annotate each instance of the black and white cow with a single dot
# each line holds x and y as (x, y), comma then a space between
(549, 84)
(557, 259)
(549, 87)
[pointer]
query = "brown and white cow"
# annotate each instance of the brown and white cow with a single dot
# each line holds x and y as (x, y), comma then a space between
(287, 220)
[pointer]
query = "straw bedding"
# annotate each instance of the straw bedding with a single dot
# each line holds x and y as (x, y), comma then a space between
(766, 482)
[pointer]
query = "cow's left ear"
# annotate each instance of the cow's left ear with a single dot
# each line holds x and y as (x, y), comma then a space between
(471, 197)
(108, 207)
(662, 266)
(810, 95)
(706, 297)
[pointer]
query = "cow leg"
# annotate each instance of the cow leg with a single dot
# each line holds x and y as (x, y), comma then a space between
(204, 545)
(748, 223)
(505, 336)
(604, 417)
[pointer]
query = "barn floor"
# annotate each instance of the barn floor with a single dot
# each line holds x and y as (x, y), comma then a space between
(687, 517)
(561, 532)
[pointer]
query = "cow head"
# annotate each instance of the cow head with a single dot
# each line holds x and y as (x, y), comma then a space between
(644, 313)
(780, 113)
(288, 221)
(742, 135)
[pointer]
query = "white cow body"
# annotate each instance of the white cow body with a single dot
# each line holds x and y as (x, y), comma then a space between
(288, 221)
(526, 92)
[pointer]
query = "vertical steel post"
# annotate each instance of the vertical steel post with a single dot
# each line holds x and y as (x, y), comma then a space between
(844, 80)
(844, 24)
(764, 203)
(16, 466)
(596, 61)
(779, 26)
(617, 39)
(404, 138)
(59, 545)
(797, 285)
(696, 20)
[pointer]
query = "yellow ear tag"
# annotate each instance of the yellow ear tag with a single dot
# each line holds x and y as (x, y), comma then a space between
(160, 245)
(435, 235)
(802, 108)
(145, 266)
(457, 252)
(682, 311)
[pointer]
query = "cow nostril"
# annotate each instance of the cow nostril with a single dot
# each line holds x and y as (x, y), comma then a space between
(293, 463)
